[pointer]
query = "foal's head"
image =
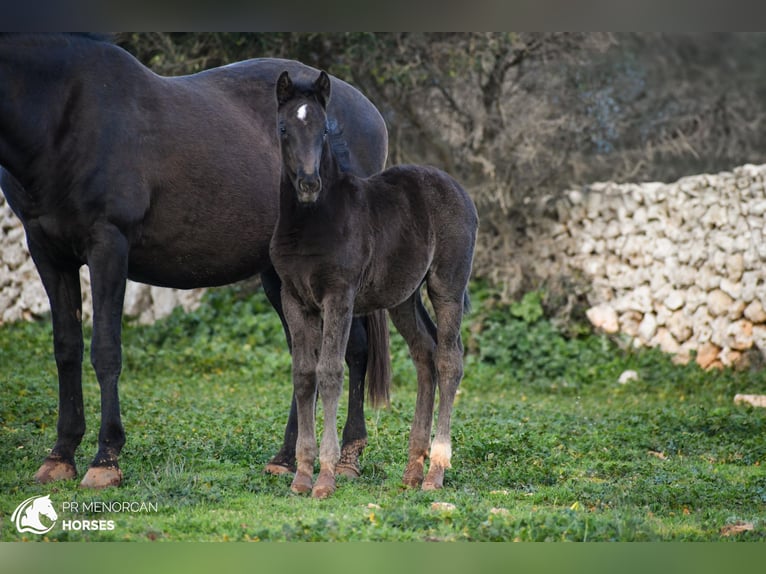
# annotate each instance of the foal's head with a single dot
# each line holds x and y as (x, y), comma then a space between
(302, 124)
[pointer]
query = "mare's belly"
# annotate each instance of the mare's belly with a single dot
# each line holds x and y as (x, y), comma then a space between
(186, 256)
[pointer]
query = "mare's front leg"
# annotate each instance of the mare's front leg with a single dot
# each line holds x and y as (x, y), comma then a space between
(337, 314)
(108, 263)
(306, 334)
(62, 284)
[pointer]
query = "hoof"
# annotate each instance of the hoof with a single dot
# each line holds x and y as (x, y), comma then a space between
(348, 465)
(413, 475)
(325, 485)
(52, 470)
(435, 478)
(277, 469)
(301, 483)
(429, 485)
(348, 470)
(101, 477)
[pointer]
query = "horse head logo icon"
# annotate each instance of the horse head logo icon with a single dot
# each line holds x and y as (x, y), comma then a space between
(27, 515)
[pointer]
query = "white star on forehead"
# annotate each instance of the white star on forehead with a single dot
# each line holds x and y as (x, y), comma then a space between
(301, 115)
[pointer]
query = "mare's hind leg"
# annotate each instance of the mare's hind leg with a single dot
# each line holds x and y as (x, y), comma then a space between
(63, 288)
(284, 461)
(355, 431)
(413, 323)
(449, 373)
(108, 263)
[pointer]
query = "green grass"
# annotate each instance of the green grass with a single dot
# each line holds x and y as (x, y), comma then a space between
(546, 444)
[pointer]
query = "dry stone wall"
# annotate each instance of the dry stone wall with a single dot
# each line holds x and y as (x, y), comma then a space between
(678, 266)
(22, 296)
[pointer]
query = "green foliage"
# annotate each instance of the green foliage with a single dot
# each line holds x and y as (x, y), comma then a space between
(530, 308)
(547, 444)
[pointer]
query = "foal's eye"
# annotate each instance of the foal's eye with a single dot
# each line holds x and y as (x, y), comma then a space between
(282, 129)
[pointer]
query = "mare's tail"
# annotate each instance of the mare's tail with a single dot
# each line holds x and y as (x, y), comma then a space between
(378, 359)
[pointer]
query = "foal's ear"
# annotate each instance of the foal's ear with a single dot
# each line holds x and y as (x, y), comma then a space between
(322, 87)
(285, 88)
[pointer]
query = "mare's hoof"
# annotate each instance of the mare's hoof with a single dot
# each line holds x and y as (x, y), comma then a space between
(301, 483)
(348, 465)
(52, 470)
(348, 470)
(281, 464)
(102, 477)
(325, 485)
(277, 469)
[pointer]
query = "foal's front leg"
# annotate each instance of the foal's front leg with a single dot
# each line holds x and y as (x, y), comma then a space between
(306, 333)
(337, 314)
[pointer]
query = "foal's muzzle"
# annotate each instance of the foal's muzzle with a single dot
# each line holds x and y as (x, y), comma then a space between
(308, 188)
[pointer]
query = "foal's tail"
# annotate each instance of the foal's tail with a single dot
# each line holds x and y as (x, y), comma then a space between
(378, 359)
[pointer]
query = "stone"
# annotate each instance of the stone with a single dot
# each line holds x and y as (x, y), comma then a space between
(755, 312)
(603, 317)
(665, 341)
(702, 325)
(674, 301)
(719, 303)
(707, 355)
(739, 335)
(752, 400)
(732, 289)
(627, 376)
(680, 326)
(648, 327)
(629, 322)
(735, 266)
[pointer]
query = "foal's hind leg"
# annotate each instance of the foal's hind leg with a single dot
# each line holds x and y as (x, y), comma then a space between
(413, 323)
(449, 372)
(63, 288)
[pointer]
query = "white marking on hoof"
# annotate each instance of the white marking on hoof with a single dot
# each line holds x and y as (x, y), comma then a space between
(441, 453)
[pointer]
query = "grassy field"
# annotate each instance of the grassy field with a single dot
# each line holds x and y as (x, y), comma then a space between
(547, 444)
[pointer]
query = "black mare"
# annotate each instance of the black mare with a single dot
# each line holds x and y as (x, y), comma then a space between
(346, 246)
(171, 181)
